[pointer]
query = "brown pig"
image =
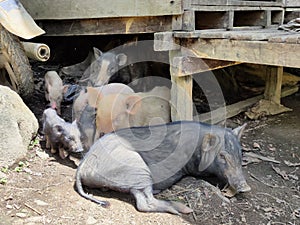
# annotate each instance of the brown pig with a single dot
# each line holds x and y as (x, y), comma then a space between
(89, 96)
(118, 111)
(54, 90)
(84, 109)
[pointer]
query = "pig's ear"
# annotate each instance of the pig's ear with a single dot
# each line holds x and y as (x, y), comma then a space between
(121, 59)
(210, 146)
(93, 96)
(97, 52)
(133, 104)
(65, 88)
(239, 131)
(58, 130)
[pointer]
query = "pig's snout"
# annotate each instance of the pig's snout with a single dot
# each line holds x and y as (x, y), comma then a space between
(78, 150)
(243, 187)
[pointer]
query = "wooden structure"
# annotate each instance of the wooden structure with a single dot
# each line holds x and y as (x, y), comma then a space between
(200, 35)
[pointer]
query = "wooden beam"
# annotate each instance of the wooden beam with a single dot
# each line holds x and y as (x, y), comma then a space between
(164, 41)
(69, 9)
(220, 114)
(106, 26)
(237, 2)
(258, 52)
(273, 83)
(181, 92)
(191, 65)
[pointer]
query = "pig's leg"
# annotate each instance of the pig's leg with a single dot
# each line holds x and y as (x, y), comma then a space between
(47, 141)
(53, 149)
(62, 152)
(179, 207)
(146, 202)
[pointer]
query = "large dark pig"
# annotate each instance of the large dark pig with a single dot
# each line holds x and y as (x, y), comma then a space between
(139, 159)
(60, 135)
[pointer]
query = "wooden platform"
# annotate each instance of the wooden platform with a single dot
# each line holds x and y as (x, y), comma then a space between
(200, 35)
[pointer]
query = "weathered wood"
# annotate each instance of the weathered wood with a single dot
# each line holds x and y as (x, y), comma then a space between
(288, 38)
(234, 34)
(258, 52)
(230, 15)
(273, 83)
(188, 20)
(181, 92)
(69, 9)
(233, 7)
(291, 3)
(120, 25)
(190, 65)
(177, 22)
(220, 114)
(164, 41)
(237, 2)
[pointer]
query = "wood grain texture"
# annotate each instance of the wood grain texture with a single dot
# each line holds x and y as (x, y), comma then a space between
(88, 9)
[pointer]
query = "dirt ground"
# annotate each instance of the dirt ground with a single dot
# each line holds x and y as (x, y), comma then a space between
(40, 189)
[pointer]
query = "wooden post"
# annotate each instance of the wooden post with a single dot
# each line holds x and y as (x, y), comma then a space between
(181, 91)
(273, 83)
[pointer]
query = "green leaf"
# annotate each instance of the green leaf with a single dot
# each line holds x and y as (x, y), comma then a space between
(3, 180)
(4, 169)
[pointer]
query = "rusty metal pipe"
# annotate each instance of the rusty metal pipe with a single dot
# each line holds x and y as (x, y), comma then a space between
(37, 51)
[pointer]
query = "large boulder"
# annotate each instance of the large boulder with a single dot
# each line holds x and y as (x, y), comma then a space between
(18, 126)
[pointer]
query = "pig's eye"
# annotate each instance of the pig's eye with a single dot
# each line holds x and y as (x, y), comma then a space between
(222, 158)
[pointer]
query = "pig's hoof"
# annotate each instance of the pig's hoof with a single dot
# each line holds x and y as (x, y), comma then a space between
(104, 204)
(243, 188)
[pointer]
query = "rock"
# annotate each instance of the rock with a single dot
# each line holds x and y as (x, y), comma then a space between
(21, 215)
(18, 126)
(91, 220)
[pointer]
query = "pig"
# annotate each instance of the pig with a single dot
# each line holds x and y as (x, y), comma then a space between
(141, 160)
(89, 96)
(118, 111)
(60, 134)
(84, 109)
(54, 90)
(103, 67)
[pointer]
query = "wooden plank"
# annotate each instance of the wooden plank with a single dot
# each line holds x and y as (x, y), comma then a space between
(288, 38)
(255, 35)
(69, 9)
(191, 65)
(292, 3)
(258, 52)
(233, 7)
(273, 83)
(226, 112)
(236, 2)
(181, 92)
(164, 41)
(188, 20)
(107, 26)
(247, 34)
(211, 33)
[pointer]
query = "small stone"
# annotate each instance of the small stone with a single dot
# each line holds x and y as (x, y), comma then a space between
(91, 220)
(256, 145)
(9, 207)
(40, 202)
(21, 215)
(42, 155)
